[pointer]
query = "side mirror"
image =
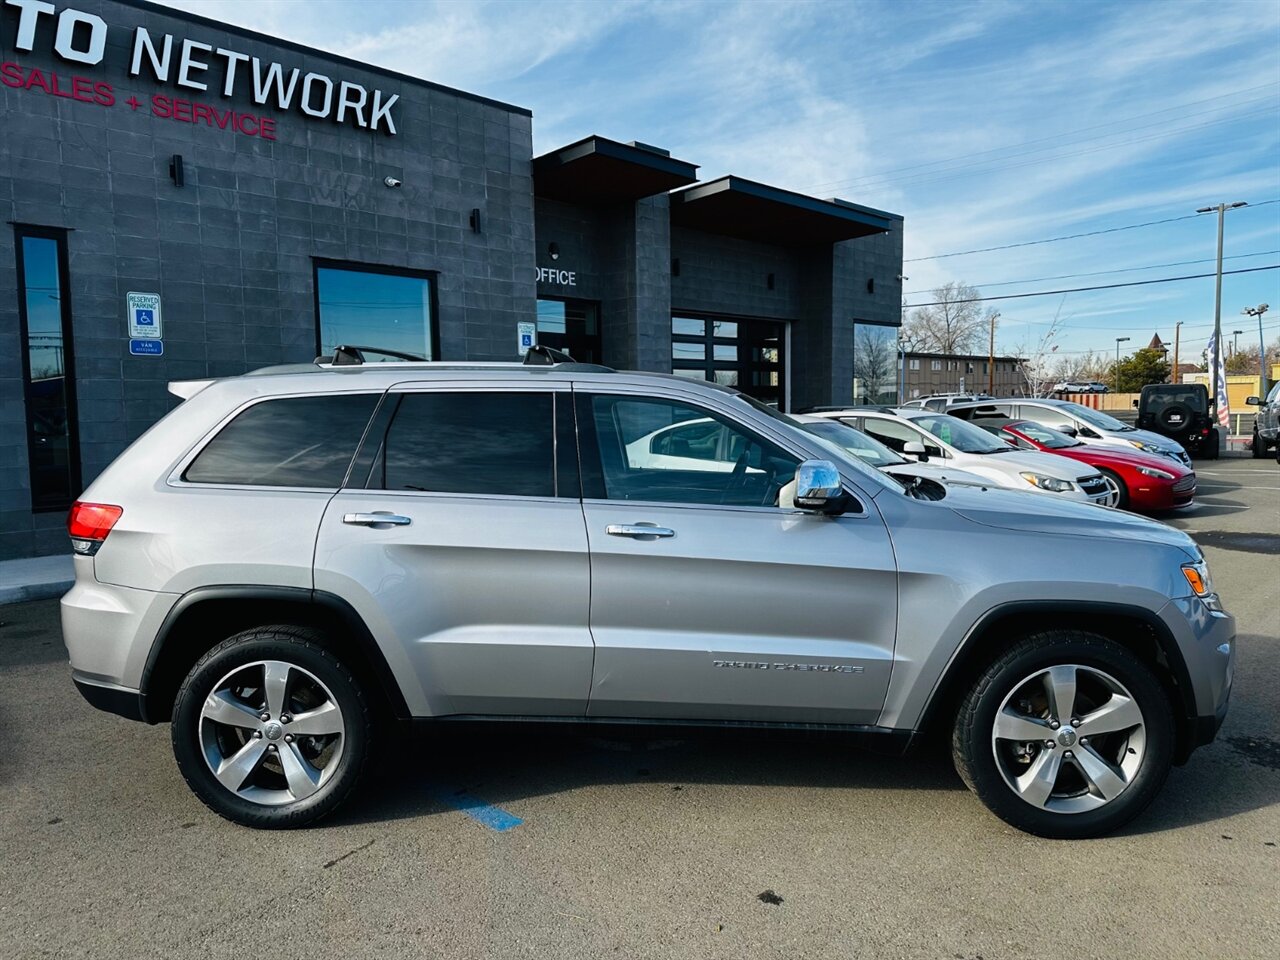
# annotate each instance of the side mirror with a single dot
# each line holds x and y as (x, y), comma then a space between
(819, 488)
(1135, 404)
(914, 448)
(1253, 401)
(1066, 428)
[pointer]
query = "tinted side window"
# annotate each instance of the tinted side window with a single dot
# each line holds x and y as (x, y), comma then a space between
(291, 442)
(500, 443)
(897, 435)
(666, 451)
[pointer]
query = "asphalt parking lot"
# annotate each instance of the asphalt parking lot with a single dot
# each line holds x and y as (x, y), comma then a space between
(503, 843)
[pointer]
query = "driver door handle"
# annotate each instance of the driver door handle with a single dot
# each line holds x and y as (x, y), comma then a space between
(373, 519)
(638, 530)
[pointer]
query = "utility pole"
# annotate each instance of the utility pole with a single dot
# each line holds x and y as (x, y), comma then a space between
(1222, 209)
(1235, 341)
(991, 358)
(1177, 338)
(1115, 375)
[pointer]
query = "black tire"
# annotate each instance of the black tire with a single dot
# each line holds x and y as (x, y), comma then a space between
(1122, 500)
(975, 756)
(1259, 445)
(1175, 418)
(298, 647)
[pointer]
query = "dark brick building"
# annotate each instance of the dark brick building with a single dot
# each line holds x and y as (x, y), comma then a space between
(186, 199)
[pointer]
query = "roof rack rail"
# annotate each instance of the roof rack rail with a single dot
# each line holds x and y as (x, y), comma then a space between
(540, 355)
(345, 355)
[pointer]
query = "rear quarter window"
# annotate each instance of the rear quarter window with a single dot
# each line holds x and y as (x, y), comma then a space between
(290, 442)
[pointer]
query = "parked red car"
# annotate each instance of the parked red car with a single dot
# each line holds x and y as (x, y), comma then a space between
(1138, 481)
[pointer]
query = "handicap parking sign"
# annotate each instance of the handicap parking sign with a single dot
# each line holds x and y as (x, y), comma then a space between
(526, 336)
(145, 319)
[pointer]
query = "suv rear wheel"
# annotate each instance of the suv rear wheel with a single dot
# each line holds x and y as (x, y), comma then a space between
(1066, 735)
(270, 729)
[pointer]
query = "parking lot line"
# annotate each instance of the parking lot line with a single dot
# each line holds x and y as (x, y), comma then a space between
(495, 818)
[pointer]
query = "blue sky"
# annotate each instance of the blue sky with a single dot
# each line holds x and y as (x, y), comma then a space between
(983, 124)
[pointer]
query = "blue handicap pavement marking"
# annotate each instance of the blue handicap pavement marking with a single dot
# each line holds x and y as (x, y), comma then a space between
(495, 818)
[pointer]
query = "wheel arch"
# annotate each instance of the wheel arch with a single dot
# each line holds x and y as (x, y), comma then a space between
(208, 615)
(1135, 628)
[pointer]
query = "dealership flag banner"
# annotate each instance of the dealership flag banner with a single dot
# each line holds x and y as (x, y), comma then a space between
(1217, 362)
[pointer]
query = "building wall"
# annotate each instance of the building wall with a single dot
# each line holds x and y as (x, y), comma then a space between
(231, 252)
(972, 370)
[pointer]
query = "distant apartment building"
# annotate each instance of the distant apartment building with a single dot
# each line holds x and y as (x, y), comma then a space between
(927, 373)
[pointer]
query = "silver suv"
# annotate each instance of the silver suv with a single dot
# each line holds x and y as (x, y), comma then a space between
(293, 560)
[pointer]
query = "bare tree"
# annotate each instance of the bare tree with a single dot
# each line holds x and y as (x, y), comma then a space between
(954, 323)
(1041, 363)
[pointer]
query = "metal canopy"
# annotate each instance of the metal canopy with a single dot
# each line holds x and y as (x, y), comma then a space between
(754, 211)
(598, 170)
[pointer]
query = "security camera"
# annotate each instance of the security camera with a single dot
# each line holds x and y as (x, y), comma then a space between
(392, 182)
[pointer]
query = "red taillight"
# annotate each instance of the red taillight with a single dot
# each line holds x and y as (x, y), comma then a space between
(89, 523)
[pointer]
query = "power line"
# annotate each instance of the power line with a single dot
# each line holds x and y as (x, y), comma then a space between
(1076, 236)
(1103, 286)
(1103, 273)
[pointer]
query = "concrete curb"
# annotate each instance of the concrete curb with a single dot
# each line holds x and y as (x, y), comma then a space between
(38, 578)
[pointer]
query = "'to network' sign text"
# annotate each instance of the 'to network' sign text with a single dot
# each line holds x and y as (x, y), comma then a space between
(80, 37)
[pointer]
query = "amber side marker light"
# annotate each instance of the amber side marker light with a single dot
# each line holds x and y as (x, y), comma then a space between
(89, 523)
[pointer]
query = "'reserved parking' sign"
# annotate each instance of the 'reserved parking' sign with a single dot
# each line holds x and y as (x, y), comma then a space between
(145, 321)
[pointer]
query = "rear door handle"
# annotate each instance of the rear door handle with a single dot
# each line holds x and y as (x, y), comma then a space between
(638, 530)
(374, 519)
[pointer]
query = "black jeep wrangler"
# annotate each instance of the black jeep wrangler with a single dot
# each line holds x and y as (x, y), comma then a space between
(1182, 411)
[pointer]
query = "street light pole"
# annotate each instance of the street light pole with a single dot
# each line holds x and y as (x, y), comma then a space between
(1222, 209)
(1235, 341)
(1258, 311)
(1116, 374)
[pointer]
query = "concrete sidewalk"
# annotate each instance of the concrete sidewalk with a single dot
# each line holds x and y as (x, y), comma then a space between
(36, 578)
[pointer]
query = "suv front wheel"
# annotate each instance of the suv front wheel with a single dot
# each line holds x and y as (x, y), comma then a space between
(1066, 735)
(270, 729)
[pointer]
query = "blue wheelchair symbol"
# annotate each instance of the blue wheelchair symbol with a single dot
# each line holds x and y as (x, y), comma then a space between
(144, 318)
(526, 340)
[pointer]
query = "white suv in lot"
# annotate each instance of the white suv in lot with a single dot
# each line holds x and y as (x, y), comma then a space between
(936, 437)
(294, 560)
(1075, 419)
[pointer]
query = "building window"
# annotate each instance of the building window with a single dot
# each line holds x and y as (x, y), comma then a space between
(374, 306)
(572, 326)
(951, 364)
(915, 392)
(968, 368)
(935, 365)
(743, 353)
(914, 363)
(875, 363)
(48, 371)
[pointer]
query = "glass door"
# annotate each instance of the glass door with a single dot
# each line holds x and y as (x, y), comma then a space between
(749, 354)
(572, 326)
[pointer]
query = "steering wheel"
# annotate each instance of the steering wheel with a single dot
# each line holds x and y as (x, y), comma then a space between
(737, 474)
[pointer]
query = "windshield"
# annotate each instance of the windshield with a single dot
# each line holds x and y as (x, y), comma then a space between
(961, 434)
(855, 441)
(1095, 418)
(1046, 436)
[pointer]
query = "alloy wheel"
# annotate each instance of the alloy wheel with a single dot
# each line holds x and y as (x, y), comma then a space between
(271, 732)
(1069, 739)
(1113, 490)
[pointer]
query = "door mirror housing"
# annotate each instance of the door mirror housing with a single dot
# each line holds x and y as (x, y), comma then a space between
(1067, 428)
(1253, 401)
(914, 448)
(819, 488)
